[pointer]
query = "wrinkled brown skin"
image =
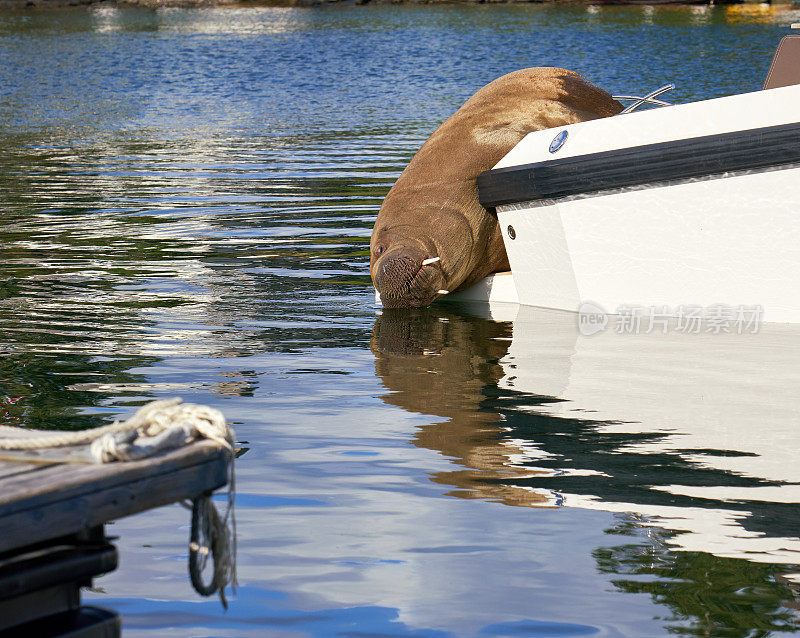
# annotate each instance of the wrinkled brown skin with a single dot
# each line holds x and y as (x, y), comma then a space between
(433, 210)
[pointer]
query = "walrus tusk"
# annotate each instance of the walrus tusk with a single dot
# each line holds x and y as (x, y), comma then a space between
(442, 292)
(430, 260)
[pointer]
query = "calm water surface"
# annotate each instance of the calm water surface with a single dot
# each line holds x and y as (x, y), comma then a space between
(187, 198)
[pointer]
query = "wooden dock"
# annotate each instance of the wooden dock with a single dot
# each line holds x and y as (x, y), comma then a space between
(52, 539)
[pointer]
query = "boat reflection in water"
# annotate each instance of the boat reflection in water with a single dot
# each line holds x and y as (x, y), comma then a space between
(691, 438)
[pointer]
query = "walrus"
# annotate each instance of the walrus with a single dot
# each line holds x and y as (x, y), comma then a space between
(431, 235)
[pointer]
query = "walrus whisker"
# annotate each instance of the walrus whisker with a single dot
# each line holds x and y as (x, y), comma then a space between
(430, 260)
(443, 292)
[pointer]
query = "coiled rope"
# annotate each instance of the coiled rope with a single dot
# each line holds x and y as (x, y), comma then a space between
(211, 537)
(156, 427)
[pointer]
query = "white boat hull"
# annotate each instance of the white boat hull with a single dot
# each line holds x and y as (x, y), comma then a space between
(719, 240)
(733, 242)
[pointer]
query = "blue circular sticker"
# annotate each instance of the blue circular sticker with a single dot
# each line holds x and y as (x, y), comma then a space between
(558, 141)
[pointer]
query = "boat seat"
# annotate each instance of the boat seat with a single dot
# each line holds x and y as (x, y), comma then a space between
(785, 67)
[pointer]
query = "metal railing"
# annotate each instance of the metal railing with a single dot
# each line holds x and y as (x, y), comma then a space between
(650, 98)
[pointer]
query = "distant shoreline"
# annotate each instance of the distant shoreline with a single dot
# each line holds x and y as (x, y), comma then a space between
(154, 4)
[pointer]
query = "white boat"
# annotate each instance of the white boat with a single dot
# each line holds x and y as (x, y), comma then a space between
(690, 206)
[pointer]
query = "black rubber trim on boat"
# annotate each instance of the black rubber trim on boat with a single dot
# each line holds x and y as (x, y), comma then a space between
(638, 165)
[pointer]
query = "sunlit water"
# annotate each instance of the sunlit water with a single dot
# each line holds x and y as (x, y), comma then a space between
(187, 198)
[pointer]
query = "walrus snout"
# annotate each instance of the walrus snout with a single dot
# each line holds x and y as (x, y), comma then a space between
(407, 278)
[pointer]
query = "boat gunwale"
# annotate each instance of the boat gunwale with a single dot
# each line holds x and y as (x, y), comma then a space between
(720, 153)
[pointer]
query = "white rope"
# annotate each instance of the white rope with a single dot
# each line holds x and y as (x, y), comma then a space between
(162, 425)
(155, 427)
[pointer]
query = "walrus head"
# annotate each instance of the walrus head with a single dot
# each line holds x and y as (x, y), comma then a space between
(432, 236)
(412, 269)
(408, 277)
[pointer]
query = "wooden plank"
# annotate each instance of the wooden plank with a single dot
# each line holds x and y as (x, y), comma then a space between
(47, 581)
(32, 606)
(68, 498)
(64, 481)
(27, 571)
(49, 456)
(85, 622)
(17, 467)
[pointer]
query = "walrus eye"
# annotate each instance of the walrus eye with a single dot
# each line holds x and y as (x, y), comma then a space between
(380, 250)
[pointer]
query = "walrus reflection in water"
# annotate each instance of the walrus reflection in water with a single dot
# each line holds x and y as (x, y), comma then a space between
(441, 363)
(431, 235)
